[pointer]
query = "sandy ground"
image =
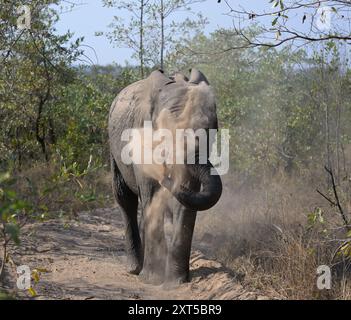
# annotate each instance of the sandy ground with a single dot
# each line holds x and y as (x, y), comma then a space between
(85, 260)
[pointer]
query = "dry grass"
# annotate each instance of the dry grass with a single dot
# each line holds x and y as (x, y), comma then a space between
(264, 234)
(49, 191)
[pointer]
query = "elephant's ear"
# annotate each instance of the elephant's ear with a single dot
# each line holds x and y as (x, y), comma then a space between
(155, 83)
(158, 80)
(197, 76)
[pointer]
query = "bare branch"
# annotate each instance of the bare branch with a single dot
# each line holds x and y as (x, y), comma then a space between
(280, 30)
(337, 200)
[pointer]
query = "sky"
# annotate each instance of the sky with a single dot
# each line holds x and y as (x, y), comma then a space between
(90, 17)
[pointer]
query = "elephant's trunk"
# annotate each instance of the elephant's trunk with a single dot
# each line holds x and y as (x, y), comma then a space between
(206, 198)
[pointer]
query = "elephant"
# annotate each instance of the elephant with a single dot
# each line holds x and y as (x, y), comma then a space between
(181, 190)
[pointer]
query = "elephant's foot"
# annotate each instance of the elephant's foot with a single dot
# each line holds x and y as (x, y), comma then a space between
(133, 267)
(173, 281)
(154, 265)
(175, 275)
(134, 264)
(152, 277)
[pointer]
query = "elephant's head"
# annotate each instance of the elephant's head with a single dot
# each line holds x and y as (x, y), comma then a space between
(182, 103)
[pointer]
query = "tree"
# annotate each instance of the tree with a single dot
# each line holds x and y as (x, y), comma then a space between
(130, 34)
(150, 32)
(170, 33)
(293, 21)
(35, 63)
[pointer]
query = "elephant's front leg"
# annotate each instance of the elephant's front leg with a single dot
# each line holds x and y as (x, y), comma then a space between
(177, 265)
(155, 247)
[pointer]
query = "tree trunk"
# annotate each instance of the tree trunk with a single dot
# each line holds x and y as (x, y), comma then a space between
(162, 34)
(141, 44)
(41, 138)
(52, 134)
(327, 119)
(18, 150)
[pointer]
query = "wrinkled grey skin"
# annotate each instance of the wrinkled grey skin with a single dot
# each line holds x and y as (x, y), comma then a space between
(198, 191)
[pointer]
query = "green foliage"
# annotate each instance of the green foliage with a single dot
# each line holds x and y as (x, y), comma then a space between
(345, 250)
(315, 217)
(35, 66)
(12, 210)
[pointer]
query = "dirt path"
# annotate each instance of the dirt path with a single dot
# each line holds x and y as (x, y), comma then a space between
(85, 260)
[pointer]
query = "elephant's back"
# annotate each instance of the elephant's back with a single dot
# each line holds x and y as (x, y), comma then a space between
(124, 100)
